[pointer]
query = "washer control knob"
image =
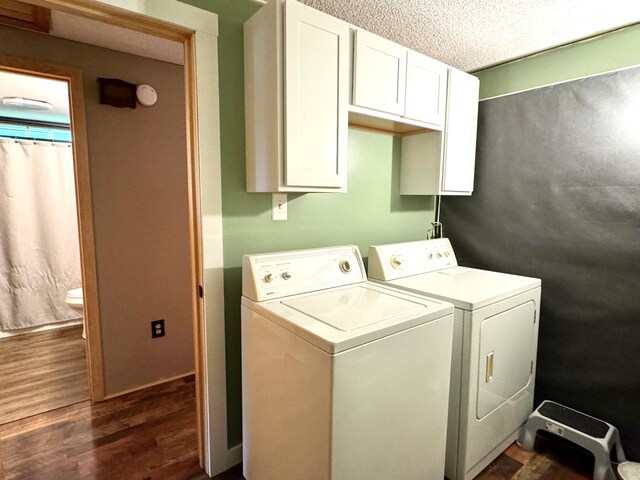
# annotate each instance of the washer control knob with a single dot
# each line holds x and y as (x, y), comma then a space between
(430, 256)
(438, 254)
(345, 266)
(446, 253)
(396, 262)
(268, 277)
(286, 275)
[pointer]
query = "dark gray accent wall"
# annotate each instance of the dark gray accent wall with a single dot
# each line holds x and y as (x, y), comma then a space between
(557, 196)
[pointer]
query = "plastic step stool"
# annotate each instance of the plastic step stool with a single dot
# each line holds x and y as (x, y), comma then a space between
(595, 435)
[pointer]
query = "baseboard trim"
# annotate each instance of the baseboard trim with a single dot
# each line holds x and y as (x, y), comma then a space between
(235, 455)
(147, 385)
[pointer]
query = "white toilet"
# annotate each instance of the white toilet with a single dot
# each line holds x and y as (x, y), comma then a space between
(74, 299)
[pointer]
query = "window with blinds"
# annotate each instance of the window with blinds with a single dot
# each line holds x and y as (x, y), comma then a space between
(26, 132)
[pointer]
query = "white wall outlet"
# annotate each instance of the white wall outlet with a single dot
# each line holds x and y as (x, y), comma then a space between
(279, 206)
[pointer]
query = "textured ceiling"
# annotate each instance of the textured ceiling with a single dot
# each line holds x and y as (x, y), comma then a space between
(474, 34)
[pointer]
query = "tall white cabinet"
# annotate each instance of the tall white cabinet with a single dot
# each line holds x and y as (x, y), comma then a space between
(296, 97)
(442, 163)
(460, 133)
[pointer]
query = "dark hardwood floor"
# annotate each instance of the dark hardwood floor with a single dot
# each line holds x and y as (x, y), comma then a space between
(144, 435)
(151, 435)
(42, 371)
(550, 461)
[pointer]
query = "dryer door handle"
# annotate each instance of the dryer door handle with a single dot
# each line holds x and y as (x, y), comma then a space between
(489, 375)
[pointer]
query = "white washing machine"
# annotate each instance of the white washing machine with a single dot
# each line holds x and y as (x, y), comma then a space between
(342, 379)
(494, 345)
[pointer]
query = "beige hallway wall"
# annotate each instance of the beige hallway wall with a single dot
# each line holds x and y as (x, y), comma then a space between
(139, 193)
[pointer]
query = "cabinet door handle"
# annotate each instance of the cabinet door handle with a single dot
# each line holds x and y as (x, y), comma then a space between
(489, 375)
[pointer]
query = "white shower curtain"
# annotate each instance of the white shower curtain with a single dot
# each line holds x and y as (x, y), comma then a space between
(39, 247)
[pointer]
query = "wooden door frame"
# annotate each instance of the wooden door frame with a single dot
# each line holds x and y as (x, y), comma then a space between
(73, 78)
(197, 30)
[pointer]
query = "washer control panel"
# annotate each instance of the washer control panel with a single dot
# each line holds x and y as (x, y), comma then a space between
(398, 260)
(274, 275)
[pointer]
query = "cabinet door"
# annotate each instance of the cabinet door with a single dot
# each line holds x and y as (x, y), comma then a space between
(380, 69)
(316, 98)
(426, 92)
(460, 133)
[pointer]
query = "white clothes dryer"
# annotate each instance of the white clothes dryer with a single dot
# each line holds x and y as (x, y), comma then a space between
(342, 379)
(494, 345)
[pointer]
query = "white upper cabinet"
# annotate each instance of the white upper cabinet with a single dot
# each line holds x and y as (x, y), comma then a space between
(442, 163)
(460, 134)
(426, 92)
(394, 80)
(380, 69)
(296, 99)
(299, 81)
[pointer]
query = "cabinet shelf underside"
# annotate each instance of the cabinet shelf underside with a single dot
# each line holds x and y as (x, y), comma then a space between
(386, 125)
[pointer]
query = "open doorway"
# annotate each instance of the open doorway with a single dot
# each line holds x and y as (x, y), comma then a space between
(139, 191)
(42, 348)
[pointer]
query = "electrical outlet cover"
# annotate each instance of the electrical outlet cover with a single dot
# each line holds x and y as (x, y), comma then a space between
(157, 329)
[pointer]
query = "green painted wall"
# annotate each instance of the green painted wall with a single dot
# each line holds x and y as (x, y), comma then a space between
(371, 212)
(600, 54)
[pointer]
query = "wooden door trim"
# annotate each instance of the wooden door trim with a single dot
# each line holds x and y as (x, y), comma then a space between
(195, 235)
(73, 77)
(102, 11)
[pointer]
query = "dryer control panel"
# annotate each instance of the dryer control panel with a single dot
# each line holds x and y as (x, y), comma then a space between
(275, 275)
(399, 260)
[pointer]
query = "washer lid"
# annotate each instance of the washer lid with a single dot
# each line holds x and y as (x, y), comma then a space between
(341, 318)
(353, 308)
(467, 288)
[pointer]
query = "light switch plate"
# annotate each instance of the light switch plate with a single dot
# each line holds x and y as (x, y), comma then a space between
(279, 206)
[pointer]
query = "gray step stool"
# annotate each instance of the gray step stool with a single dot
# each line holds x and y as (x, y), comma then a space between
(595, 435)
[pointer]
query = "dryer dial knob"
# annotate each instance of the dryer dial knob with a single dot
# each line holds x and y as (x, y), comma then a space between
(396, 263)
(286, 275)
(430, 256)
(438, 254)
(345, 266)
(446, 253)
(268, 277)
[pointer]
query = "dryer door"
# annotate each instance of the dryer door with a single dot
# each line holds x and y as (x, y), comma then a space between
(506, 353)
